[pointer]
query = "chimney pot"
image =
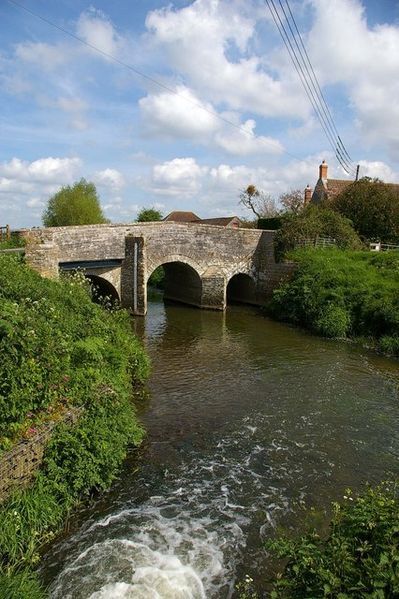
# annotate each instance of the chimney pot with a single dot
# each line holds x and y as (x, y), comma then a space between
(323, 169)
(308, 194)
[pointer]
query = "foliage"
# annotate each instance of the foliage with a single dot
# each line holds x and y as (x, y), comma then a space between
(373, 208)
(261, 204)
(359, 558)
(74, 205)
(157, 278)
(293, 202)
(271, 224)
(147, 215)
(58, 348)
(311, 223)
(340, 293)
(56, 345)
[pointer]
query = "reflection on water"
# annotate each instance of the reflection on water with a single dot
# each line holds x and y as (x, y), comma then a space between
(247, 420)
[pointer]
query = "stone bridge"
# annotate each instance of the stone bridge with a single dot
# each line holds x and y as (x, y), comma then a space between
(205, 265)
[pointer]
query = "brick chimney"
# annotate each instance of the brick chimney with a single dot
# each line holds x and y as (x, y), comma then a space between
(323, 170)
(308, 195)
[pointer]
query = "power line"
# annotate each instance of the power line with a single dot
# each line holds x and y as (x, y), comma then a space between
(315, 80)
(147, 77)
(322, 112)
(300, 71)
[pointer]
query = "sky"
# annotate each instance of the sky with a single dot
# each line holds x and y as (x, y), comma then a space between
(219, 107)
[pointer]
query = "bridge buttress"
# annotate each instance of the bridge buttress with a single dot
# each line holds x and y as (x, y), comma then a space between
(133, 279)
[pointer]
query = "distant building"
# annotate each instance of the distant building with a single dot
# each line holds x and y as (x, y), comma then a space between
(179, 216)
(328, 189)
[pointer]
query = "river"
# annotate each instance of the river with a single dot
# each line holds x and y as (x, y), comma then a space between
(248, 421)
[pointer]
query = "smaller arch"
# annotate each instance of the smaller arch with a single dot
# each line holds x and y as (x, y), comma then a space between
(102, 289)
(241, 288)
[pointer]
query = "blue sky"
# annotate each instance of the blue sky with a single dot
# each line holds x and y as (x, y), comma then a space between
(69, 112)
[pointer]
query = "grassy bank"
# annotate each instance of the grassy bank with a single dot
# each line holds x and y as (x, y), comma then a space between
(59, 350)
(339, 294)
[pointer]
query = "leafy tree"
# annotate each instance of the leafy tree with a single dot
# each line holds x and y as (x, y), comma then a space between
(373, 207)
(314, 222)
(261, 204)
(147, 215)
(74, 205)
(292, 201)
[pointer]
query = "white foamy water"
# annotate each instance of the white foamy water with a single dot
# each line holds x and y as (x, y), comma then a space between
(183, 543)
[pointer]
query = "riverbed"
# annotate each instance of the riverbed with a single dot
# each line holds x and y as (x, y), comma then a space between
(249, 422)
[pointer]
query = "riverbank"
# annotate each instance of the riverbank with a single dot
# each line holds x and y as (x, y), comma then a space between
(60, 351)
(343, 294)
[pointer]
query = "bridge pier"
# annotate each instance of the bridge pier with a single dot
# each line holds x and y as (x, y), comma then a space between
(213, 292)
(133, 276)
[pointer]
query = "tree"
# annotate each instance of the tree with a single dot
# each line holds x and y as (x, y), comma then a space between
(292, 201)
(74, 205)
(148, 215)
(261, 204)
(373, 208)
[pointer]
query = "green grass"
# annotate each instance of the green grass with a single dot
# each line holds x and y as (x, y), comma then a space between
(340, 294)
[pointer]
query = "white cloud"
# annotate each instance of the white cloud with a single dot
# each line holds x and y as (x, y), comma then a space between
(44, 170)
(196, 41)
(242, 140)
(181, 114)
(184, 115)
(345, 50)
(109, 177)
(98, 31)
(46, 56)
(176, 177)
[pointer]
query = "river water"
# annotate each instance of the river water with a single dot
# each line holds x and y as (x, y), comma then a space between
(248, 421)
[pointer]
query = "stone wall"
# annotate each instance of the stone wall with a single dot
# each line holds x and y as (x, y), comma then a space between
(19, 465)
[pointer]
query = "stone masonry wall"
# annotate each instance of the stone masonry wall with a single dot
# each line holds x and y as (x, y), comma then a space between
(19, 465)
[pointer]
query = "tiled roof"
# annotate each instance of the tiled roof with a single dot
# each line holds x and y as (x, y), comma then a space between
(222, 221)
(179, 216)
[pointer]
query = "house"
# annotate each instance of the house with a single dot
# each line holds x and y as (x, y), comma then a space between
(225, 221)
(326, 189)
(180, 216)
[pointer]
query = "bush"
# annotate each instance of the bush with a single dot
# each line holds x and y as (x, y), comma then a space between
(373, 208)
(359, 558)
(56, 345)
(340, 293)
(271, 224)
(311, 223)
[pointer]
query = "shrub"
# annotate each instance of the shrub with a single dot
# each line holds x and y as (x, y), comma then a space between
(311, 223)
(340, 293)
(359, 558)
(373, 208)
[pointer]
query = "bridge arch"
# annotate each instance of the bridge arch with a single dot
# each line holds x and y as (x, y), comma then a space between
(182, 281)
(241, 288)
(102, 288)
